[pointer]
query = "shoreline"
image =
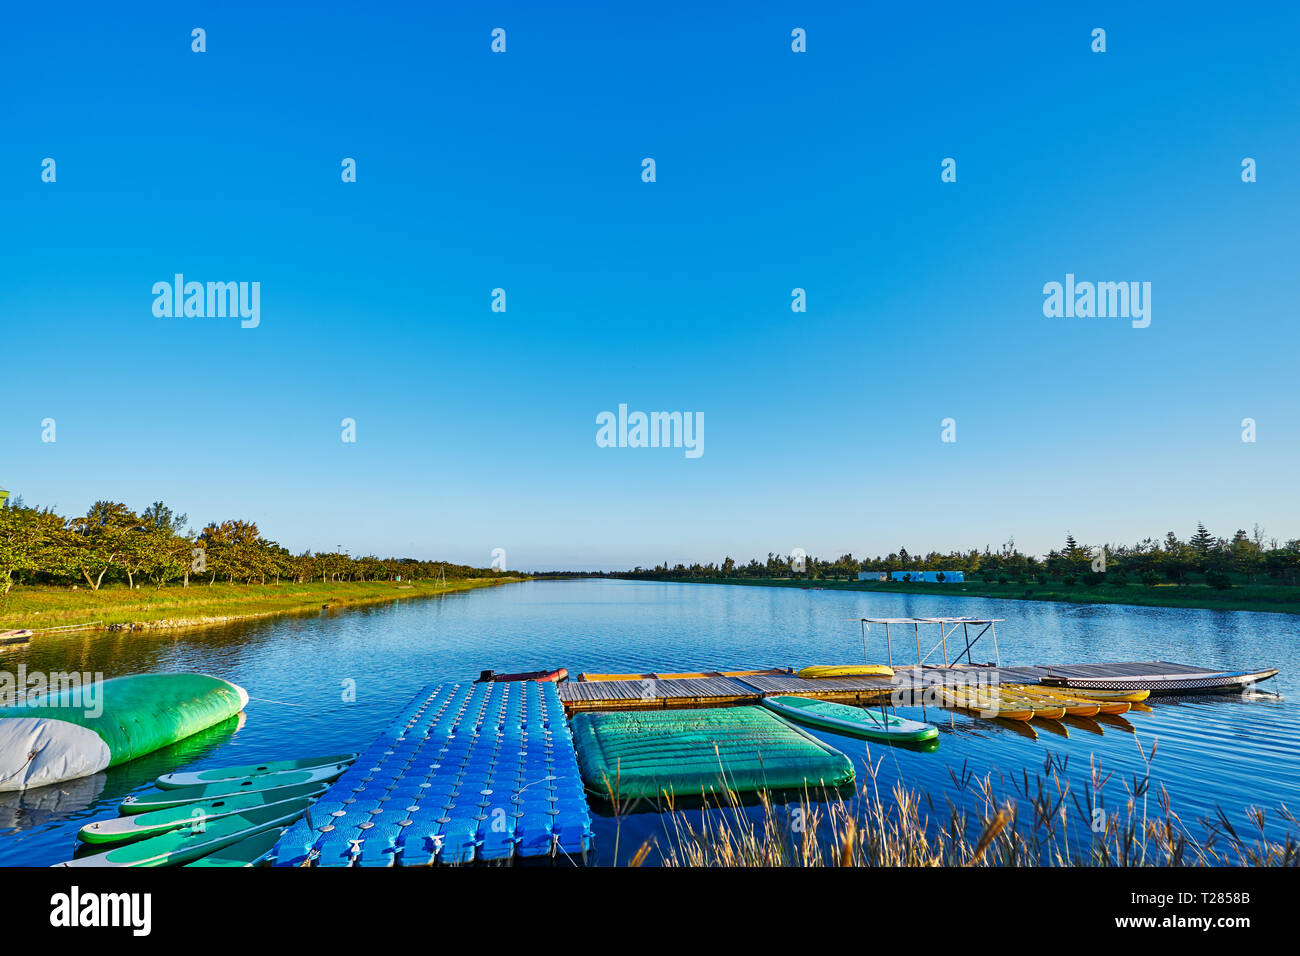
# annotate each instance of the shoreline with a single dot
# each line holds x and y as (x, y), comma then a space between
(1258, 598)
(49, 611)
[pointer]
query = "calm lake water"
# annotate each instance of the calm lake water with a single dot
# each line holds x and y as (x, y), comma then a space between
(1225, 751)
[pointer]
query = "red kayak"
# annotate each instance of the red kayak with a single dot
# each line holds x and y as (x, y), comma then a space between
(553, 677)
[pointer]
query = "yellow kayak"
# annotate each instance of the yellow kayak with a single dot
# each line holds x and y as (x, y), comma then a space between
(770, 672)
(1074, 706)
(1123, 696)
(1008, 702)
(987, 703)
(847, 670)
(1112, 707)
(1047, 709)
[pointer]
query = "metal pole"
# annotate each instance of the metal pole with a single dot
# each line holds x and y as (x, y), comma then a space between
(864, 641)
(943, 630)
(996, 653)
(889, 645)
(917, 629)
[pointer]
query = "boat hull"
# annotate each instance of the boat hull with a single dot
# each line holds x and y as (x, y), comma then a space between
(1222, 682)
(552, 676)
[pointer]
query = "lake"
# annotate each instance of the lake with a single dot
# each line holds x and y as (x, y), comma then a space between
(1232, 752)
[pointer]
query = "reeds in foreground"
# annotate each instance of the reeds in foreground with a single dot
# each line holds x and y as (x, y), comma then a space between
(1042, 822)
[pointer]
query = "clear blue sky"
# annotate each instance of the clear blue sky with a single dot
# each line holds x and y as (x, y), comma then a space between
(775, 170)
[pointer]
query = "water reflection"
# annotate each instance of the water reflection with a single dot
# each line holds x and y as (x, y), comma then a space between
(1232, 752)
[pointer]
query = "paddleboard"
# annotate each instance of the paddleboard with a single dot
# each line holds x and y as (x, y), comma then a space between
(248, 852)
(174, 781)
(162, 799)
(854, 721)
(195, 841)
(123, 829)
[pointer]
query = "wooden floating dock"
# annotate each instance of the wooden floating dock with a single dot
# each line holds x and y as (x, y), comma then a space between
(652, 692)
(908, 679)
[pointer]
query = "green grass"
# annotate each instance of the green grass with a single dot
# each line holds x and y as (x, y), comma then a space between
(1279, 598)
(41, 608)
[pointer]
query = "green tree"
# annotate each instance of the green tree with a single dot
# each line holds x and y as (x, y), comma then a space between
(168, 547)
(100, 539)
(1201, 544)
(18, 543)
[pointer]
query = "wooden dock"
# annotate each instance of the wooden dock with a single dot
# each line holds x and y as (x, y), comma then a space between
(908, 680)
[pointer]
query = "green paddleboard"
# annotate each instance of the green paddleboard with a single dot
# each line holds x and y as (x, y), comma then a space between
(174, 781)
(192, 842)
(854, 721)
(162, 799)
(123, 829)
(248, 852)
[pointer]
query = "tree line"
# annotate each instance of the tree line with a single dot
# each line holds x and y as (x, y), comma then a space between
(111, 543)
(1215, 560)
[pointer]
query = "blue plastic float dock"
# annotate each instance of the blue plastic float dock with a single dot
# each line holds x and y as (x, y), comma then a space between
(467, 772)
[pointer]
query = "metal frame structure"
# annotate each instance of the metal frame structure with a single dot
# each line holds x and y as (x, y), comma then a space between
(986, 625)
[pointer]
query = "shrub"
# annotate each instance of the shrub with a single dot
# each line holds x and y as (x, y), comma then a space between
(1218, 580)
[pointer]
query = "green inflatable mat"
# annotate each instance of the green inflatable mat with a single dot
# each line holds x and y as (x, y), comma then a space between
(77, 730)
(688, 752)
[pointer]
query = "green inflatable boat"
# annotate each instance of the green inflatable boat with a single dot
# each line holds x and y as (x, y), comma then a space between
(76, 732)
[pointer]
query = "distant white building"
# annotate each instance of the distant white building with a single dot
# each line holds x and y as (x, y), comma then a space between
(931, 577)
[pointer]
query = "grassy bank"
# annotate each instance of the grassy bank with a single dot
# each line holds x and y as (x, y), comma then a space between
(41, 608)
(1279, 598)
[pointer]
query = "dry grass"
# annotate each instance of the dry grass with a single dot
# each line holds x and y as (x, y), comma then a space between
(1038, 824)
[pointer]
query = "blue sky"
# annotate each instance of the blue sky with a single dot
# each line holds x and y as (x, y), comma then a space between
(775, 170)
